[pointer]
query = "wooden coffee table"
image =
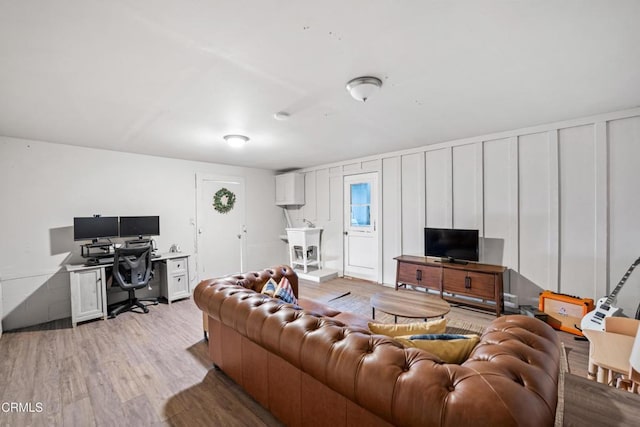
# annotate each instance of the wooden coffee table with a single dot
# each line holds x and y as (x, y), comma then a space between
(411, 304)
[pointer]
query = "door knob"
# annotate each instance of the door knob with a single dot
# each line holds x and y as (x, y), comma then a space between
(239, 236)
(199, 230)
(346, 233)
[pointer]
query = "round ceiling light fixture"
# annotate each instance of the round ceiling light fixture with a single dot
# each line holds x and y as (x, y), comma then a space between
(361, 88)
(236, 140)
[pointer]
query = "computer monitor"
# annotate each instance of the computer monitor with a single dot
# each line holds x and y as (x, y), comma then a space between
(95, 227)
(139, 226)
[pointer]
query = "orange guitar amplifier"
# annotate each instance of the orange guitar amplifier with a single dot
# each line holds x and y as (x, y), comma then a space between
(564, 311)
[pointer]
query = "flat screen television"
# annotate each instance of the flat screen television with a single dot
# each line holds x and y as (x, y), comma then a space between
(454, 244)
(139, 226)
(95, 227)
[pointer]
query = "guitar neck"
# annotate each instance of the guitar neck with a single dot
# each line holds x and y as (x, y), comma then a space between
(612, 296)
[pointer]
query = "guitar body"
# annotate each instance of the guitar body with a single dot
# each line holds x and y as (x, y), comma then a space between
(604, 308)
(595, 319)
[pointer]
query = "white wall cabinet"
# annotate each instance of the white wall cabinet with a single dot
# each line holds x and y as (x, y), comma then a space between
(174, 279)
(88, 294)
(290, 189)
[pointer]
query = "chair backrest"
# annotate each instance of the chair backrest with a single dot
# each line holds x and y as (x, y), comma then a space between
(132, 266)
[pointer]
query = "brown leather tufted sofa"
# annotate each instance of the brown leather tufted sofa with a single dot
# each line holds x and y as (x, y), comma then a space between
(310, 366)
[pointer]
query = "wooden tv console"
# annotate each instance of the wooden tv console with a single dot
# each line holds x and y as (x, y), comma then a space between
(481, 284)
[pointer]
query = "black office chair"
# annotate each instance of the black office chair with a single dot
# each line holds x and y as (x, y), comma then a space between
(132, 270)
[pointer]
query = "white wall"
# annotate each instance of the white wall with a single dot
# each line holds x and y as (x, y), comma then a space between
(44, 185)
(557, 203)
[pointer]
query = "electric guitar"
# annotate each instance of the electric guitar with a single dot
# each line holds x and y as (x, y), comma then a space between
(604, 307)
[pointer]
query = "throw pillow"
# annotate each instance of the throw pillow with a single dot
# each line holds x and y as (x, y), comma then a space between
(415, 328)
(269, 288)
(450, 349)
(284, 291)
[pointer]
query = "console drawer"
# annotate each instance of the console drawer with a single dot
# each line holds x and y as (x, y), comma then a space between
(481, 285)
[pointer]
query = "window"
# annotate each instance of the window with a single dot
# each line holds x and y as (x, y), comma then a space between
(361, 204)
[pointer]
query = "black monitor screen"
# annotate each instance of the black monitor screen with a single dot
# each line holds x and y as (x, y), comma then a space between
(93, 228)
(132, 226)
(451, 243)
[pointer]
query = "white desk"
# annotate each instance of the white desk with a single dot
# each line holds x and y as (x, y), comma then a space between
(89, 285)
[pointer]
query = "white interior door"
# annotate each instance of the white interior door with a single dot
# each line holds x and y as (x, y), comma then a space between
(220, 236)
(361, 245)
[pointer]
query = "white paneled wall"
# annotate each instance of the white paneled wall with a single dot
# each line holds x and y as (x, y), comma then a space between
(500, 243)
(309, 210)
(413, 203)
(391, 217)
(558, 204)
(467, 186)
(624, 208)
(439, 206)
(576, 154)
(535, 210)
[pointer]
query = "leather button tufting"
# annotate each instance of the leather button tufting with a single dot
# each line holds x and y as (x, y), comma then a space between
(451, 388)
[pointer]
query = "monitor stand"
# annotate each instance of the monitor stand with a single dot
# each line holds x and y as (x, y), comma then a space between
(103, 249)
(137, 242)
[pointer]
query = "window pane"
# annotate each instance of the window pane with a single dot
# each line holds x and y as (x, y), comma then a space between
(360, 216)
(360, 194)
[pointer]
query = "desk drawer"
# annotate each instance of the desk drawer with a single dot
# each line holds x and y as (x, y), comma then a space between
(479, 285)
(419, 275)
(179, 285)
(176, 265)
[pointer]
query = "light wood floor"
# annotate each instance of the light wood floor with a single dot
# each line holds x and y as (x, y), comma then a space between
(147, 369)
(134, 370)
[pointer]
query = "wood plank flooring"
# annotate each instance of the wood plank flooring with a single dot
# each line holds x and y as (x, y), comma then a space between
(135, 370)
(149, 369)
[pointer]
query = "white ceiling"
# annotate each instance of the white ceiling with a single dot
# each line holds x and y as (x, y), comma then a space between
(171, 77)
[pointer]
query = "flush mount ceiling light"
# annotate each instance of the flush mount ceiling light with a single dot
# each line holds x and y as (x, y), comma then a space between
(361, 88)
(236, 140)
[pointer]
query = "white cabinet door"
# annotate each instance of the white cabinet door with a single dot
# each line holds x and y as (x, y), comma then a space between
(88, 295)
(290, 189)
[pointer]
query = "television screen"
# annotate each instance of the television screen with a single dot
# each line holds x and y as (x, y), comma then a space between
(451, 243)
(134, 226)
(93, 228)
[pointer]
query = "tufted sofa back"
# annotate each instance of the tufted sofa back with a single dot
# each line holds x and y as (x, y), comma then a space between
(254, 280)
(510, 379)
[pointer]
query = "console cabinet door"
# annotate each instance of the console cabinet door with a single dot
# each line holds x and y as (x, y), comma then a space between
(87, 295)
(479, 285)
(420, 275)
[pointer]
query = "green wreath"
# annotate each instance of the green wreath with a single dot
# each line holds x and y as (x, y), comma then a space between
(228, 203)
